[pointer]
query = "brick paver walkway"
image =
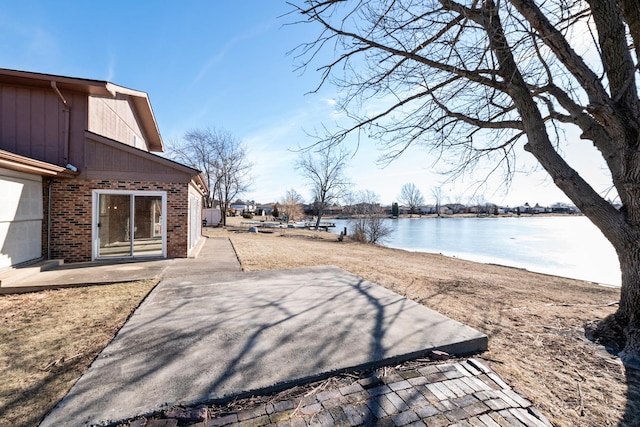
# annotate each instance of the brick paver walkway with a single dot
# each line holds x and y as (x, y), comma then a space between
(463, 394)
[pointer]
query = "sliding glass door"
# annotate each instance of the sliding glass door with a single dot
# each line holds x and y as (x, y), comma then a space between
(129, 224)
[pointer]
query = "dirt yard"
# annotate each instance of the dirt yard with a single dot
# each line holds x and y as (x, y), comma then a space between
(534, 321)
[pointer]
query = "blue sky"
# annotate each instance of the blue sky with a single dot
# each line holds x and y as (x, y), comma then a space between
(224, 64)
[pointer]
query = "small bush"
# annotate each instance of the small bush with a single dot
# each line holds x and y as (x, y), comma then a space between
(359, 234)
(247, 215)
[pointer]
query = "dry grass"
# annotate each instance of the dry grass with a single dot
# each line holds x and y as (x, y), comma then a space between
(48, 339)
(534, 321)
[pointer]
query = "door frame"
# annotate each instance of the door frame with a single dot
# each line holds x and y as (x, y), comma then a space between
(95, 219)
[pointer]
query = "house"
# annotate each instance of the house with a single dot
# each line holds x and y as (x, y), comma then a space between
(265, 210)
(79, 179)
(240, 207)
(427, 210)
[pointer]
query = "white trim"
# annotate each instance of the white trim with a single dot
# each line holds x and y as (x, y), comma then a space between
(95, 218)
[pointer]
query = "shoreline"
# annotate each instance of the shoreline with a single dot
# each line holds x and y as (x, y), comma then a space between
(542, 257)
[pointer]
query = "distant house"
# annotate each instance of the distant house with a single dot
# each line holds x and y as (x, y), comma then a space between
(78, 177)
(264, 210)
(240, 207)
(427, 210)
(452, 208)
(311, 209)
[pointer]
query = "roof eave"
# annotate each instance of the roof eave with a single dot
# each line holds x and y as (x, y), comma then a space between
(139, 99)
(19, 163)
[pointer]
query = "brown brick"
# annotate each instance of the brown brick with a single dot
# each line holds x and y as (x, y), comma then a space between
(339, 417)
(429, 369)
(257, 422)
(511, 419)
(353, 388)
(297, 422)
(355, 398)
(437, 421)
(280, 416)
(383, 389)
(397, 402)
(310, 409)
(465, 401)
(427, 411)
(162, 423)
(252, 413)
(412, 373)
(432, 398)
(413, 398)
(71, 216)
(328, 394)
(436, 377)
(476, 409)
(384, 422)
(400, 385)
(223, 421)
(376, 409)
(404, 418)
(392, 378)
(386, 404)
(321, 419)
(370, 382)
(358, 414)
(496, 404)
(417, 381)
(456, 415)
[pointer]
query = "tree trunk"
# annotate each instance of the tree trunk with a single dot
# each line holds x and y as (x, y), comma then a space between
(620, 331)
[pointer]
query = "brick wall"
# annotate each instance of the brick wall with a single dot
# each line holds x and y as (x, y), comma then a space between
(71, 215)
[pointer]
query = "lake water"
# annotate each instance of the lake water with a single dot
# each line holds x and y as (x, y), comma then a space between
(568, 246)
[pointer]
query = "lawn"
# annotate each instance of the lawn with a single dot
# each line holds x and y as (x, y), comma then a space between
(49, 338)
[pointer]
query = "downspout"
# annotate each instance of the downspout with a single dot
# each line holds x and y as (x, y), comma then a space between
(67, 122)
(49, 220)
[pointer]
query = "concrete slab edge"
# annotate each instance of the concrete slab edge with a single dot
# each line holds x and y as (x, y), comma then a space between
(463, 349)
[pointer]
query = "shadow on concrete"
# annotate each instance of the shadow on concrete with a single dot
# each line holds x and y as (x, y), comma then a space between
(214, 338)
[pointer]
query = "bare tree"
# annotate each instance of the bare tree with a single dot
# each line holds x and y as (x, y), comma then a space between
(411, 196)
(436, 192)
(198, 154)
(324, 171)
(292, 205)
(475, 80)
(368, 219)
(222, 158)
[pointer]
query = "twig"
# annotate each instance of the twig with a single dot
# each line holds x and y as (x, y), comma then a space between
(321, 386)
(295, 411)
(581, 400)
(582, 305)
(51, 364)
(59, 361)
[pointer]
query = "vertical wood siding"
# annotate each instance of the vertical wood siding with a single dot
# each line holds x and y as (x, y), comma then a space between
(115, 119)
(103, 161)
(32, 124)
